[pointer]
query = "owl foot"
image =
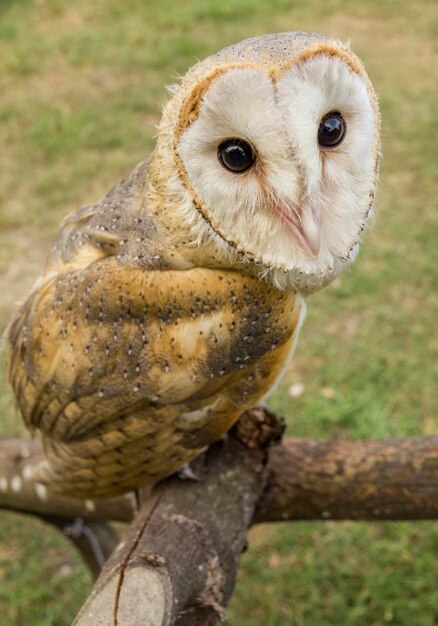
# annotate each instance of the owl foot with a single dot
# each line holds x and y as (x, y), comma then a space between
(186, 473)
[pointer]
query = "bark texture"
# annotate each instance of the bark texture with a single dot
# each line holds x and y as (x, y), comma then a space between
(387, 479)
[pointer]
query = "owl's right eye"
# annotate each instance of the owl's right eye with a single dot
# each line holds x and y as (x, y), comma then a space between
(332, 130)
(236, 155)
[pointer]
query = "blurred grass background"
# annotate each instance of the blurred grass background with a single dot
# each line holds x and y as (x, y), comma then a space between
(81, 87)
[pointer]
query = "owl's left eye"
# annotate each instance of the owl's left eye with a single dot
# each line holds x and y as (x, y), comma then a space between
(332, 129)
(236, 155)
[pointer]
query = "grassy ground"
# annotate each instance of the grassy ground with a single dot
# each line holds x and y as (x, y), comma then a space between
(81, 86)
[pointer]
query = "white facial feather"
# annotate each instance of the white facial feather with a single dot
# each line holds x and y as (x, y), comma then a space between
(240, 103)
(279, 114)
(339, 181)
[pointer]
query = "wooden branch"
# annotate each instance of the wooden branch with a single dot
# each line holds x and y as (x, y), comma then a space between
(179, 562)
(81, 521)
(388, 479)
(95, 540)
(393, 479)
(177, 565)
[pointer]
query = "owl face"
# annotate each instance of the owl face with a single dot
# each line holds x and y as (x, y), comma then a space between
(276, 148)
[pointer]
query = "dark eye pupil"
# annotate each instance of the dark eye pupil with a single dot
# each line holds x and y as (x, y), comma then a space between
(236, 155)
(331, 130)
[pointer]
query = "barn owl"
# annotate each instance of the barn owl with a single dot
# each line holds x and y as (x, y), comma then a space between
(174, 303)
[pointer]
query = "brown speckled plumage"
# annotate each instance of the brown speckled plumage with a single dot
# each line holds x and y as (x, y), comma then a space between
(150, 333)
(130, 365)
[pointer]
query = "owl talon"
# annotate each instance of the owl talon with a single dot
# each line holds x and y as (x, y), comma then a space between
(186, 473)
(223, 440)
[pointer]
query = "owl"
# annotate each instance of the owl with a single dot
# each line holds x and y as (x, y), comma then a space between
(174, 303)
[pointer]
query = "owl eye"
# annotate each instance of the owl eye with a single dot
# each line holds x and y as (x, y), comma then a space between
(332, 129)
(236, 155)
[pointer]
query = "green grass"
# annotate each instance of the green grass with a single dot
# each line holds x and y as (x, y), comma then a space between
(81, 88)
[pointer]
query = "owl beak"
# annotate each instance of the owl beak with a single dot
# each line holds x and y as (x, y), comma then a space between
(310, 231)
(305, 226)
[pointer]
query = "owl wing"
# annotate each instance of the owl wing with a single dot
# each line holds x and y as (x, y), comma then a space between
(90, 344)
(120, 366)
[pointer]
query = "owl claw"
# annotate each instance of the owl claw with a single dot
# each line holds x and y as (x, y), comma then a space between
(186, 473)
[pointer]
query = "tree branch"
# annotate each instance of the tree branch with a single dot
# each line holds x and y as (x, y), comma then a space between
(179, 561)
(393, 479)
(387, 479)
(81, 521)
(177, 566)
(95, 540)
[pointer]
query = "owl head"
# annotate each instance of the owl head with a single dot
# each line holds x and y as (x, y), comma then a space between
(274, 146)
